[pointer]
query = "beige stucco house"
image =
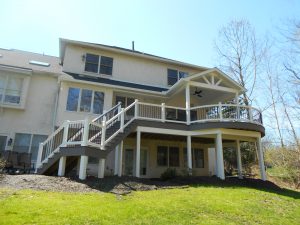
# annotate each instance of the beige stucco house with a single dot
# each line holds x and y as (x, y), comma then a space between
(106, 110)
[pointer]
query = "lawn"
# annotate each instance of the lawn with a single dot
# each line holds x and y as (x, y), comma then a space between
(194, 205)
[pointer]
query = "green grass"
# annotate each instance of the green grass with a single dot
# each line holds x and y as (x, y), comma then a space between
(194, 205)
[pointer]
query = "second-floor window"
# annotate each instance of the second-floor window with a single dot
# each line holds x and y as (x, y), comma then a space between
(98, 64)
(175, 75)
(85, 100)
(10, 89)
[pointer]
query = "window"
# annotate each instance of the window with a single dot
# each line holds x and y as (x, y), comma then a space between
(98, 64)
(162, 156)
(175, 75)
(167, 156)
(197, 157)
(28, 143)
(84, 100)
(91, 63)
(126, 101)
(73, 96)
(106, 65)
(10, 89)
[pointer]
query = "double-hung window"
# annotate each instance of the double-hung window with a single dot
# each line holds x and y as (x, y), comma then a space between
(175, 75)
(168, 156)
(10, 89)
(85, 100)
(98, 64)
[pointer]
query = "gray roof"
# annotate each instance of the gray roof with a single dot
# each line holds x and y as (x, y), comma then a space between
(21, 59)
(116, 82)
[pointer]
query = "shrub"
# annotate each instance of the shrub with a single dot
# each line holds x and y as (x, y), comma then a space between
(168, 174)
(2, 165)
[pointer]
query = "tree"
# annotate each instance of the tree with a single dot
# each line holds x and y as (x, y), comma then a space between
(240, 54)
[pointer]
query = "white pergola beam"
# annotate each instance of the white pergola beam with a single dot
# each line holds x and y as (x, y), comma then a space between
(209, 86)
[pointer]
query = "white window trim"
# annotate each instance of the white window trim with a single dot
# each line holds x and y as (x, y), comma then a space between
(91, 112)
(99, 65)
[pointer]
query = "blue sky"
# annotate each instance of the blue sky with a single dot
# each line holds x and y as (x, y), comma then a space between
(181, 30)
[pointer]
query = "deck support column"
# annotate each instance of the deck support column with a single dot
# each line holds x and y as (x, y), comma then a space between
(101, 168)
(261, 159)
(189, 154)
(239, 159)
(120, 167)
(116, 159)
(138, 153)
(188, 104)
(220, 161)
(62, 166)
(83, 166)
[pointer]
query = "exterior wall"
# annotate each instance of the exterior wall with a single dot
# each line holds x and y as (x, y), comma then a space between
(63, 114)
(37, 116)
(126, 68)
(153, 170)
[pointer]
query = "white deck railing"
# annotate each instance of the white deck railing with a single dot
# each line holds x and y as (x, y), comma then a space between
(94, 132)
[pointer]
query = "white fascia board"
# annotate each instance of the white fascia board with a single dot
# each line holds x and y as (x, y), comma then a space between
(16, 69)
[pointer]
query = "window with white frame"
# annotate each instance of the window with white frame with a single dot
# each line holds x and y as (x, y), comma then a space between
(28, 143)
(11, 89)
(98, 64)
(85, 100)
(175, 75)
(167, 156)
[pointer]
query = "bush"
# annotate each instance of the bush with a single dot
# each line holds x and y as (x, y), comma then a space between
(2, 165)
(168, 174)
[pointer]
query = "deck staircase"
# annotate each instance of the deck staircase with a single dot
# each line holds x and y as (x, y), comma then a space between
(97, 137)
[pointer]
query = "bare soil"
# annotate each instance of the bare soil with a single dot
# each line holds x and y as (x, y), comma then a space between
(122, 185)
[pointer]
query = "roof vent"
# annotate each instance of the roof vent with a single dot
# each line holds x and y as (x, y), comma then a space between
(1, 55)
(38, 63)
(133, 46)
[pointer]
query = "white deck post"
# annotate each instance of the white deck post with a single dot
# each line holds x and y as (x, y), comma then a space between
(101, 168)
(83, 166)
(120, 167)
(220, 161)
(188, 104)
(261, 159)
(136, 108)
(39, 157)
(163, 112)
(138, 153)
(239, 159)
(65, 134)
(103, 132)
(116, 160)
(189, 154)
(122, 120)
(220, 111)
(85, 136)
(62, 166)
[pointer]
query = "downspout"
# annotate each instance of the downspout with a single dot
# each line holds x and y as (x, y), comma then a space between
(56, 105)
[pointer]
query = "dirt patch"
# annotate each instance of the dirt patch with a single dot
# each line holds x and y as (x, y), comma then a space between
(123, 185)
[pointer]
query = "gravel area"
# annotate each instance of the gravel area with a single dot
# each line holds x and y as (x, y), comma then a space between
(123, 185)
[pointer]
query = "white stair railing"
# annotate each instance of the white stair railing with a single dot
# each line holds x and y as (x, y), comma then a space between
(95, 133)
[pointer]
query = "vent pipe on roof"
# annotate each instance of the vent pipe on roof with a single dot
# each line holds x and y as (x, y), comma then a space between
(132, 45)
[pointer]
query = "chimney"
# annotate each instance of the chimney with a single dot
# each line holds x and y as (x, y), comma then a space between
(132, 45)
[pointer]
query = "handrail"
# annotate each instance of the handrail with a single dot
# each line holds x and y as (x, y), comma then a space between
(100, 118)
(93, 132)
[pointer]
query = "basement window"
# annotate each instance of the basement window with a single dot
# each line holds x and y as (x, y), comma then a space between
(38, 63)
